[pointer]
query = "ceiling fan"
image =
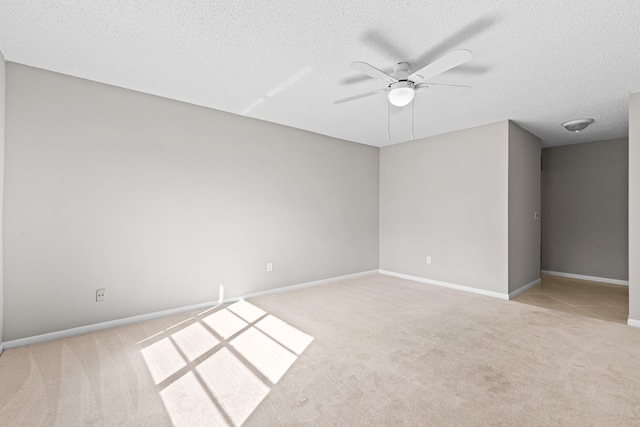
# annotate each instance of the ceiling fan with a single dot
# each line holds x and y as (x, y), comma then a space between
(403, 83)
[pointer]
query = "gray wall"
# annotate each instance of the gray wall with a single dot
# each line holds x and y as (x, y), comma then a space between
(2, 125)
(159, 202)
(634, 207)
(585, 210)
(524, 201)
(446, 197)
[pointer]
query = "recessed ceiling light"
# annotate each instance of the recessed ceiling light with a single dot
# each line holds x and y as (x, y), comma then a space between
(577, 125)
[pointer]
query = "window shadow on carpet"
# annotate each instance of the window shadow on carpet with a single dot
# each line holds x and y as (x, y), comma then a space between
(216, 367)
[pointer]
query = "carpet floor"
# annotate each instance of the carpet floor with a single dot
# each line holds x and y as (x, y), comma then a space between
(376, 350)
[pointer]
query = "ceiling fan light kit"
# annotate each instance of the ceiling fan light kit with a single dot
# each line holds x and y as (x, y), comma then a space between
(577, 125)
(401, 93)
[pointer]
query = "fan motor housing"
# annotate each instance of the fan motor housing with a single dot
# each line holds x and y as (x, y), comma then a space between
(401, 70)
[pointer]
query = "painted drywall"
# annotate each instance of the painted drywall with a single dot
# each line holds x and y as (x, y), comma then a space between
(159, 202)
(3, 73)
(634, 209)
(524, 202)
(447, 197)
(585, 209)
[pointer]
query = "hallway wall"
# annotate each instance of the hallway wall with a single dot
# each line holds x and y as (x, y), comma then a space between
(585, 192)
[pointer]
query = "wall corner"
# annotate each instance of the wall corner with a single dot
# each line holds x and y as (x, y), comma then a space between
(524, 230)
(634, 207)
(3, 80)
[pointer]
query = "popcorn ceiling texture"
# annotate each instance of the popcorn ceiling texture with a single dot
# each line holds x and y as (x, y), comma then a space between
(538, 64)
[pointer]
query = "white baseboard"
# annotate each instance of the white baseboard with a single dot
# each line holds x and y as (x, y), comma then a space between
(1, 348)
(301, 286)
(525, 288)
(81, 330)
(633, 322)
(447, 285)
(583, 277)
(66, 333)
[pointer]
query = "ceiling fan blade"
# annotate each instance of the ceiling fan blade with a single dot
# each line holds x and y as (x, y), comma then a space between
(455, 90)
(378, 40)
(362, 95)
(444, 63)
(372, 71)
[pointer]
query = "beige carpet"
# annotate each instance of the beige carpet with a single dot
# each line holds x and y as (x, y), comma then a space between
(369, 351)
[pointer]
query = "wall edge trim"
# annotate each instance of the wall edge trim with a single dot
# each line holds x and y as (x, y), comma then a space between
(499, 295)
(583, 277)
(524, 288)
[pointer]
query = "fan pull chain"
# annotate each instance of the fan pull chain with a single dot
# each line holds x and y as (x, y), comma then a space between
(413, 116)
(388, 121)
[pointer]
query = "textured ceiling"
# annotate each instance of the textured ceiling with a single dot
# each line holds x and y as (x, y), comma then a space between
(538, 63)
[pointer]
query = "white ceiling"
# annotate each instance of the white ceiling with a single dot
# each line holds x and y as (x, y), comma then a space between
(538, 63)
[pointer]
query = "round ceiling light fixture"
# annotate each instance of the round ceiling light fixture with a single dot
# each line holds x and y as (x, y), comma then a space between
(401, 93)
(577, 125)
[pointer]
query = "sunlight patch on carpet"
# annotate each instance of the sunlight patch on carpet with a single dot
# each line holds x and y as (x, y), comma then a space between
(188, 403)
(269, 357)
(163, 359)
(237, 390)
(194, 341)
(246, 310)
(225, 323)
(292, 338)
(217, 367)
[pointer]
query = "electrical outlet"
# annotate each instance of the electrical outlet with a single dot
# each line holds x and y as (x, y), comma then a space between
(100, 294)
(269, 266)
(428, 260)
